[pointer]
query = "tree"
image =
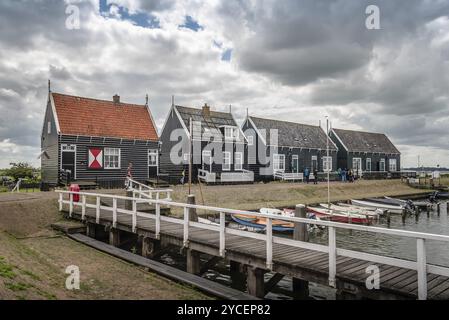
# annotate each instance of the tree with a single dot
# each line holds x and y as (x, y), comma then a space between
(20, 170)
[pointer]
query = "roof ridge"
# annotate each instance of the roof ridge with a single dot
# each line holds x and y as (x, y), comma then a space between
(361, 131)
(199, 109)
(285, 121)
(96, 99)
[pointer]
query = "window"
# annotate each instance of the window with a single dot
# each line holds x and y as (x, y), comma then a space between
(229, 133)
(111, 158)
(392, 165)
(226, 161)
(327, 164)
(278, 162)
(382, 165)
(238, 161)
(368, 164)
(49, 127)
(152, 157)
(250, 140)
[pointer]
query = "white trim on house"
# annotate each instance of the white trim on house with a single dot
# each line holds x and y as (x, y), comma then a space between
(226, 166)
(182, 121)
(240, 129)
(240, 168)
(370, 165)
(119, 158)
(257, 131)
(277, 162)
(153, 151)
(339, 140)
(152, 120)
(72, 149)
(55, 115)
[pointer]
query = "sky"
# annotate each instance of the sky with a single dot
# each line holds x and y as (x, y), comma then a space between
(288, 60)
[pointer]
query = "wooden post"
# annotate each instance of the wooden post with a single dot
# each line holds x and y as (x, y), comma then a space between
(300, 287)
(388, 217)
(255, 281)
(193, 261)
(192, 211)
(150, 247)
(300, 229)
(438, 208)
(114, 237)
(90, 230)
(403, 214)
(238, 278)
(129, 203)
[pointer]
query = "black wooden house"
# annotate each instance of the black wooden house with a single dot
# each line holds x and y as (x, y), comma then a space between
(211, 140)
(281, 149)
(368, 154)
(93, 141)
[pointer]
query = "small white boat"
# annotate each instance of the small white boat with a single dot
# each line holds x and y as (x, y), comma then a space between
(207, 221)
(376, 210)
(351, 210)
(370, 204)
(284, 213)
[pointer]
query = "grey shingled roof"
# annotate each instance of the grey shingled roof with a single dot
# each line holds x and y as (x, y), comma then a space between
(359, 141)
(211, 123)
(291, 134)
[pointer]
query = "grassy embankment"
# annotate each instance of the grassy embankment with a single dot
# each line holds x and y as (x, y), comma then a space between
(33, 259)
(281, 194)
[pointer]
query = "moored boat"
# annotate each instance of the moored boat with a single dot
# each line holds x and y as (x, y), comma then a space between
(337, 216)
(350, 210)
(370, 204)
(261, 223)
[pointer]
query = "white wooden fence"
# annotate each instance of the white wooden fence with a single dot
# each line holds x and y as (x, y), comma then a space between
(420, 265)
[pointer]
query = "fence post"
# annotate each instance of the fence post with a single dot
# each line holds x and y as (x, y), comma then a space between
(186, 227)
(192, 211)
(114, 212)
(158, 221)
(269, 233)
(134, 215)
(300, 230)
(222, 234)
(60, 202)
(83, 208)
(332, 257)
(71, 205)
(422, 268)
(97, 211)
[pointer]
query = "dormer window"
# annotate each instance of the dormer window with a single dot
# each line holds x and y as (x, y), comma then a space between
(231, 133)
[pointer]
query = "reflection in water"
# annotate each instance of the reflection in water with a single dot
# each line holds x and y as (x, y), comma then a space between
(381, 244)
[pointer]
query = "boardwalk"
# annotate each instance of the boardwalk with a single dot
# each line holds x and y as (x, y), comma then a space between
(304, 261)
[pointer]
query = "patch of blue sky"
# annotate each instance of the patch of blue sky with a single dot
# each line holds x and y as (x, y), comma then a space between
(141, 19)
(191, 24)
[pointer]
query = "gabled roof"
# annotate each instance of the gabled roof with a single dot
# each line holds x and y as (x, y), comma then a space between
(359, 141)
(206, 123)
(291, 134)
(101, 118)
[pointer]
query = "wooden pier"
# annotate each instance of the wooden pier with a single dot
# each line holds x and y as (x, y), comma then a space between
(252, 255)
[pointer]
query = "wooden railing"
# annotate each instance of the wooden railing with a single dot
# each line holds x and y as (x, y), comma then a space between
(142, 191)
(420, 265)
(289, 175)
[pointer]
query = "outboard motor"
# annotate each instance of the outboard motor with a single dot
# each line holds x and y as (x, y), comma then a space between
(410, 206)
(433, 197)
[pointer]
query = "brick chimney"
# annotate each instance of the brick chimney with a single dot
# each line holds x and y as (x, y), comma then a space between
(206, 110)
(116, 99)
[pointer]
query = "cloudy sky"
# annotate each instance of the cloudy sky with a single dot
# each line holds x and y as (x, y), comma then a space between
(294, 60)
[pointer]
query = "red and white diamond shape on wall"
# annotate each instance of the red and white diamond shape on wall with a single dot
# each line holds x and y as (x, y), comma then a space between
(95, 158)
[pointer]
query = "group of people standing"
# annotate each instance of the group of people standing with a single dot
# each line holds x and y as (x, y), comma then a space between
(346, 175)
(307, 175)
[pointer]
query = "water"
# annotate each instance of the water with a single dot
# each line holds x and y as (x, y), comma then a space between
(381, 244)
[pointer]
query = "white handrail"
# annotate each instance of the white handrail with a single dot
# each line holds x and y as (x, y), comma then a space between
(421, 265)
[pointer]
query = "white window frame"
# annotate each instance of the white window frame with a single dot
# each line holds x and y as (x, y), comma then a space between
(382, 163)
(327, 163)
(153, 152)
(368, 161)
(295, 157)
(49, 127)
(226, 166)
(229, 133)
(238, 166)
(392, 163)
(107, 161)
(68, 148)
(278, 160)
(250, 140)
(206, 153)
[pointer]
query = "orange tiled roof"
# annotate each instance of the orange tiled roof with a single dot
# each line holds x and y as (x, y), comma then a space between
(101, 118)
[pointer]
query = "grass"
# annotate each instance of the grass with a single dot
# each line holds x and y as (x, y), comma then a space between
(6, 270)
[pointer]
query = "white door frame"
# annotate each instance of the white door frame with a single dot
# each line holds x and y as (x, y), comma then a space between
(357, 168)
(73, 150)
(157, 161)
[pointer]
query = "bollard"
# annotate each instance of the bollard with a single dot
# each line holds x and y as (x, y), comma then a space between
(388, 217)
(403, 213)
(192, 211)
(438, 208)
(129, 203)
(300, 229)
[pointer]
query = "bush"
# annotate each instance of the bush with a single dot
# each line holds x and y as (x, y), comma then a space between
(20, 170)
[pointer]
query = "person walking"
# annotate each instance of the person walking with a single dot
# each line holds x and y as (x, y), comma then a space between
(343, 175)
(307, 174)
(129, 174)
(315, 176)
(183, 177)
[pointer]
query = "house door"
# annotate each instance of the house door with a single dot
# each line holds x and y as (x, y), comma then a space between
(295, 164)
(314, 164)
(153, 163)
(357, 166)
(68, 159)
(207, 160)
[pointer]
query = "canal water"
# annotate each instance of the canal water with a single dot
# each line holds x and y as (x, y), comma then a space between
(392, 246)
